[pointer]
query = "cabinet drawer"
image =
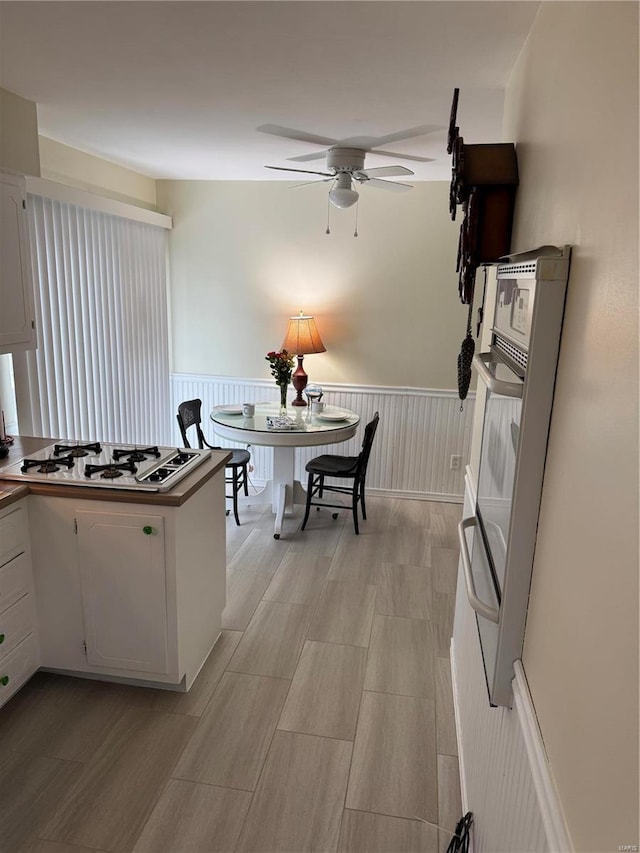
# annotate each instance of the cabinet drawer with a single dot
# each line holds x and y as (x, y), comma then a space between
(16, 668)
(15, 581)
(13, 534)
(16, 623)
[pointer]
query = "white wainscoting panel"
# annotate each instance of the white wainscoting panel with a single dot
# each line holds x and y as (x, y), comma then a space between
(419, 431)
(505, 776)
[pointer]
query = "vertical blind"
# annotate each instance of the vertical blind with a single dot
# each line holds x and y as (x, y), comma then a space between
(101, 370)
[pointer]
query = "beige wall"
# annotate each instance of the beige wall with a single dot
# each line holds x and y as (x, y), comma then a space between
(572, 108)
(18, 135)
(246, 255)
(76, 169)
(22, 151)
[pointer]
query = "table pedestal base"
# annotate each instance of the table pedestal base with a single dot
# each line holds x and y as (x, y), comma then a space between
(282, 497)
(283, 492)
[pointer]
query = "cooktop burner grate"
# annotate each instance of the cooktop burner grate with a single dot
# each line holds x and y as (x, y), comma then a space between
(78, 450)
(48, 466)
(111, 470)
(135, 454)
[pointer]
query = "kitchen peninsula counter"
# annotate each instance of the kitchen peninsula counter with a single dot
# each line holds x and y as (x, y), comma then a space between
(12, 490)
(112, 584)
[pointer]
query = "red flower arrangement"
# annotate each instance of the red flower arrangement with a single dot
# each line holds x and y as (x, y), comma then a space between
(281, 366)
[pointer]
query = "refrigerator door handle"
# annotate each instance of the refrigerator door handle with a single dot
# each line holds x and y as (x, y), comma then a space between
(498, 386)
(479, 606)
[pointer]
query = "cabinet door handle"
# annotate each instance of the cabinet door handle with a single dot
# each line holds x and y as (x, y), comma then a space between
(147, 530)
(4, 680)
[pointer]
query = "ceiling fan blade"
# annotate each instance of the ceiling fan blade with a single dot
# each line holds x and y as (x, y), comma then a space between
(394, 186)
(298, 135)
(305, 171)
(305, 158)
(410, 133)
(371, 143)
(385, 171)
(403, 156)
(309, 183)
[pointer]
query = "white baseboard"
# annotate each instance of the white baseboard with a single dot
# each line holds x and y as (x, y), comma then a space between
(555, 826)
(257, 485)
(415, 496)
(505, 776)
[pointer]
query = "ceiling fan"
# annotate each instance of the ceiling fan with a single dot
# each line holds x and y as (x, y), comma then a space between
(345, 161)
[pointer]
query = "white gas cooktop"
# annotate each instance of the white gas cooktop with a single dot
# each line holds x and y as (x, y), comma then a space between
(107, 466)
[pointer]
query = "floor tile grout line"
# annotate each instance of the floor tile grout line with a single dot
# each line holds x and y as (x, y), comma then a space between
(218, 680)
(153, 807)
(415, 819)
(317, 734)
(209, 784)
(353, 750)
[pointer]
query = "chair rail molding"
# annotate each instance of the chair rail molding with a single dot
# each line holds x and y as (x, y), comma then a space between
(420, 429)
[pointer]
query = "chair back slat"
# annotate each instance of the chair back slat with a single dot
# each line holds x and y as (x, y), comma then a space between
(190, 414)
(367, 442)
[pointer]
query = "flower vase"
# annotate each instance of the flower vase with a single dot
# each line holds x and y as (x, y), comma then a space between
(283, 398)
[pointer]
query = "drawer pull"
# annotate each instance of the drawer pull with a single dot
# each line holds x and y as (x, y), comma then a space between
(147, 529)
(4, 680)
(1, 639)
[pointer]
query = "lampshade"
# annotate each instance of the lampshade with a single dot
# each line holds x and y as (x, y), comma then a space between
(302, 336)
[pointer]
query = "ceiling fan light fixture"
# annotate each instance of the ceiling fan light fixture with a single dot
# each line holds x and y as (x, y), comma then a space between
(342, 195)
(343, 198)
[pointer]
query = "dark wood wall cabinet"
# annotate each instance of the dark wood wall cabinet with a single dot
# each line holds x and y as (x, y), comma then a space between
(484, 180)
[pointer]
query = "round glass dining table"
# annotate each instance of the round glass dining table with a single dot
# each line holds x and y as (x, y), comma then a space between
(283, 491)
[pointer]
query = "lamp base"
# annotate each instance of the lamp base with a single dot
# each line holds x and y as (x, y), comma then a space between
(299, 381)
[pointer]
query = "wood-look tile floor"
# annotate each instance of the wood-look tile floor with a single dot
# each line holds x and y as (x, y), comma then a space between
(322, 721)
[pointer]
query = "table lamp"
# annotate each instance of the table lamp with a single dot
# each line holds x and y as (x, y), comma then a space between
(301, 339)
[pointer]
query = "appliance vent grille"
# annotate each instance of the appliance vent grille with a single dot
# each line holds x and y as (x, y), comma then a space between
(514, 353)
(511, 270)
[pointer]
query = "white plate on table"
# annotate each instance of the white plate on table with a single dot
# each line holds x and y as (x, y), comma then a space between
(333, 416)
(231, 409)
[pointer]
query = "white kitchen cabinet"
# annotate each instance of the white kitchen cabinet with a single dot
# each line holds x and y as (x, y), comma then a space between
(130, 591)
(17, 324)
(18, 634)
(121, 561)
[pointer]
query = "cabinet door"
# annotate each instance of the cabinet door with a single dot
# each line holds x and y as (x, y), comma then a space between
(17, 330)
(124, 590)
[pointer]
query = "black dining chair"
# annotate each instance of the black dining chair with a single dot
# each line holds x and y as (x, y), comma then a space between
(237, 476)
(345, 467)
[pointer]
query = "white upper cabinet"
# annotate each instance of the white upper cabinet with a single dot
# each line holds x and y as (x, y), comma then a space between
(17, 326)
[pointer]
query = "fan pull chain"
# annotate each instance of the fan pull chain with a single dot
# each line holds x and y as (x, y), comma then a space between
(328, 231)
(355, 233)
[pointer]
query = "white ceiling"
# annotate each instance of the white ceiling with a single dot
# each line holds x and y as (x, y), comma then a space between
(177, 89)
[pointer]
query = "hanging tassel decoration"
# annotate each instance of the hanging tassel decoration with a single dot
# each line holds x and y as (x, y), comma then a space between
(465, 358)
